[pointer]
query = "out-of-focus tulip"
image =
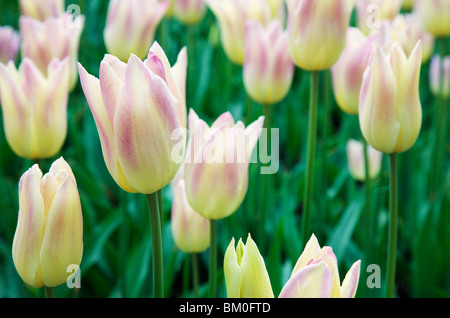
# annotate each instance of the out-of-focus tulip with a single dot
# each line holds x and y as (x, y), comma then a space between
(131, 25)
(217, 162)
(355, 160)
(434, 15)
(407, 4)
(440, 76)
(137, 107)
(316, 275)
(268, 68)
(9, 44)
(407, 30)
(390, 113)
(232, 16)
(189, 11)
(245, 272)
(317, 31)
(41, 9)
(189, 229)
(34, 107)
(370, 13)
(54, 38)
(49, 233)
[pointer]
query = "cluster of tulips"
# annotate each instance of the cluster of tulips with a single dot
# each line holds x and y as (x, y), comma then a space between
(150, 140)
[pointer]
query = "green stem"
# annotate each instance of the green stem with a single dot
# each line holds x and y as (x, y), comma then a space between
(195, 273)
(393, 224)
(213, 258)
(49, 292)
(157, 250)
(123, 244)
(312, 138)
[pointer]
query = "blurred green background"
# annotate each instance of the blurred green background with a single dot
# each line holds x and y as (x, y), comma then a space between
(117, 242)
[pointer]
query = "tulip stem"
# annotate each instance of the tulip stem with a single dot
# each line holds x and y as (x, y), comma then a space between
(213, 258)
(195, 273)
(393, 220)
(155, 223)
(312, 138)
(49, 292)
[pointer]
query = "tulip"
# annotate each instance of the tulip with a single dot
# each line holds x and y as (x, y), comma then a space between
(217, 162)
(190, 230)
(54, 38)
(317, 31)
(49, 233)
(355, 159)
(370, 13)
(390, 113)
(316, 275)
(189, 11)
(245, 272)
(268, 68)
(440, 76)
(9, 44)
(41, 9)
(434, 16)
(35, 107)
(136, 107)
(131, 25)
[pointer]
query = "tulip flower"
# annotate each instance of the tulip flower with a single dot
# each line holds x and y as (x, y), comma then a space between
(9, 44)
(355, 159)
(34, 107)
(245, 272)
(54, 38)
(268, 68)
(390, 113)
(189, 11)
(49, 233)
(131, 25)
(217, 162)
(434, 16)
(317, 31)
(41, 9)
(189, 229)
(136, 107)
(371, 13)
(440, 76)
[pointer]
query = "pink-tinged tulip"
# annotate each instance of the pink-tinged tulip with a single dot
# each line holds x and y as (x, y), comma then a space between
(189, 229)
(390, 113)
(34, 107)
(131, 25)
(371, 13)
(407, 30)
(245, 272)
(49, 233)
(41, 9)
(189, 11)
(54, 38)
(355, 160)
(440, 76)
(316, 275)
(268, 68)
(137, 107)
(9, 44)
(434, 16)
(217, 162)
(317, 31)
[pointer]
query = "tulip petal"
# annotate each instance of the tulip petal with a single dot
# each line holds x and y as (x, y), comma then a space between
(311, 250)
(232, 272)
(350, 282)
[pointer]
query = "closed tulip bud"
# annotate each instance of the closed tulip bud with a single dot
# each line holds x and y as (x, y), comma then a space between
(217, 162)
(131, 25)
(9, 44)
(54, 38)
(390, 113)
(434, 16)
(268, 68)
(371, 13)
(316, 275)
(317, 31)
(189, 11)
(41, 9)
(137, 107)
(34, 107)
(245, 272)
(440, 76)
(355, 159)
(49, 233)
(189, 229)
